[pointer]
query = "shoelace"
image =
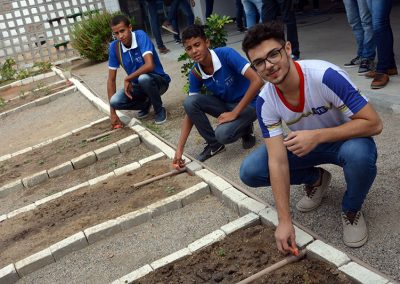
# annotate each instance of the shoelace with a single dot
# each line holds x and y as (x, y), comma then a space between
(351, 218)
(310, 190)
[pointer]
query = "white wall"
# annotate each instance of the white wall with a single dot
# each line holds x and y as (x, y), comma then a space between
(221, 7)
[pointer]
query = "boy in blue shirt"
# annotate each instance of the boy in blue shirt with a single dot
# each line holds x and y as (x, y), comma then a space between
(234, 86)
(146, 80)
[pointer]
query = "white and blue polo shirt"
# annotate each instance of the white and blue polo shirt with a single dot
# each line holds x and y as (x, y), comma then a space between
(228, 81)
(327, 99)
(132, 58)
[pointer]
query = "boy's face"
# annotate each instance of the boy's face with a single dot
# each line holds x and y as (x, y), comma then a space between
(271, 60)
(123, 33)
(197, 48)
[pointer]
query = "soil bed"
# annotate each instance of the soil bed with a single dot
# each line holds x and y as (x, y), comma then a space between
(33, 231)
(59, 152)
(241, 255)
(32, 95)
(18, 90)
(20, 198)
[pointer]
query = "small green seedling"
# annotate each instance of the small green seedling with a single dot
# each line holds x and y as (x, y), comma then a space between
(170, 190)
(104, 139)
(221, 252)
(40, 162)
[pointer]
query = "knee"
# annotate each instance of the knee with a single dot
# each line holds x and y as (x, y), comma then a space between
(144, 80)
(223, 135)
(359, 152)
(115, 100)
(189, 104)
(248, 172)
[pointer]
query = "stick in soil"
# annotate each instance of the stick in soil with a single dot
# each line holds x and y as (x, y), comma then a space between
(273, 267)
(153, 179)
(100, 135)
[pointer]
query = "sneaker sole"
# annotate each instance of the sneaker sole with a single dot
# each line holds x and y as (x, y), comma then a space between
(142, 116)
(357, 244)
(351, 66)
(161, 122)
(170, 30)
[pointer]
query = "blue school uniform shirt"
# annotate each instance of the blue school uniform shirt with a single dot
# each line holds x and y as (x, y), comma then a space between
(133, 57)
(228, 81)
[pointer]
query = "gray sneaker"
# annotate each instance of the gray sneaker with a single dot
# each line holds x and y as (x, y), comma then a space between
(314, 194)
(354, 62)
(366, 65)
(355, 233)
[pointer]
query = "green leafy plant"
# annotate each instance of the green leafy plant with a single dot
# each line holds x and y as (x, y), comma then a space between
(42, 66)
(216, 33)
(170, 190)
(2, 102)
(221, 252)
(22, 74)
(7, 70)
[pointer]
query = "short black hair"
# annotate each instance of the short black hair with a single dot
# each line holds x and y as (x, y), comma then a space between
(193, 31)
(120, 18)
(261, 32)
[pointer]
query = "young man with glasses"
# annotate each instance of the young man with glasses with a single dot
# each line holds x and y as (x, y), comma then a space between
(234, 86)
(330, 123)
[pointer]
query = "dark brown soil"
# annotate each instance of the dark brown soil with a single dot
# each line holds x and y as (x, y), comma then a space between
(33, 231)
(58, 152)
(239, 256)
(32, 95)
(20, 198)
(16, 91)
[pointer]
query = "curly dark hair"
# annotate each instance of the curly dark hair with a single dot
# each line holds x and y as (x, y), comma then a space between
(260, 32)
(193, 31)
(117, 19)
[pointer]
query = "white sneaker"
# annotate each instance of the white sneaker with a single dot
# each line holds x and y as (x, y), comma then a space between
(355, 232)
(314, 194)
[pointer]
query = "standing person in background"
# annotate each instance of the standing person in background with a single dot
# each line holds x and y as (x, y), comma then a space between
(360, 20)
(254, 9)
(286, 9)
(151, 9)
(386, 66)
(240, 16)
(171, 23)
(209, 7)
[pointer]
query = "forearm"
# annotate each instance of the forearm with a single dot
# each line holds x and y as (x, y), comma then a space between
(187, 125)
(146, 68)
(111, 89)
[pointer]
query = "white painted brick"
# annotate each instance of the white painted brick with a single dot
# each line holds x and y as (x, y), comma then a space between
(122, 116)
(193, 193)
(128, 143)
(166, 205)
(27, 81)
(16, 83)
(12, 186)
(3, 217)
(76, 130)
(244, 222)
(248, 205)
(133, 122)
(126, 169)
(207, 240)
(60, 170)
(49, 74)
(269, 216)
(21, 210)
(231, 198)
(155, 144)
(327, 253)
(134, 275)
(101, 178)
(135, 218)
(84, 160)
(170, 258)
(218, 185)
(107, 151)
(5, 157)
(302, 238)
(8, 274)
(205, 174)
(138, 128)
(34, 262)
(99, 120)
(20, 152)
(362, 274)
(47, 142)
(42, 101)
(102, 231)
(35, 179)
(192, 167)
(76, 187)
(49, 198)
(65, 135)
(73, 243)
(154, 157)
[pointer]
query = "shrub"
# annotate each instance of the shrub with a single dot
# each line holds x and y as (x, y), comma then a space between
(7, 70)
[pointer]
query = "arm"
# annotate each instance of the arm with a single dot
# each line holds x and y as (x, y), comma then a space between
(364, 123)
(280, 182)
(255, 85)
(187, 125)
(147, 67)
(111, 89)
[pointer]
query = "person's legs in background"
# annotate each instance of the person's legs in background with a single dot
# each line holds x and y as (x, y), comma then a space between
(209, 7)
(155, 25)
(354, 20)
(251, 12)
(289, 19)
(240, 16)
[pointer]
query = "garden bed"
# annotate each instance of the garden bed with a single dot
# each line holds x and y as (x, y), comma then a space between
(13, 92)
(53, 221)
(241, 255)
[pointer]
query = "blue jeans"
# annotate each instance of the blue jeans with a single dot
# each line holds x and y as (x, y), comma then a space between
(197, 106)
(360, 20)
(380, 11)
(173, 14)
(253, 9)
(285, 8)
(152, 9)
(240, 15)
(356, 156)
(147, 91)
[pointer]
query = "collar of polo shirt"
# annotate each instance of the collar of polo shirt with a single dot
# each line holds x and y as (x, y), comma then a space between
(216, 64)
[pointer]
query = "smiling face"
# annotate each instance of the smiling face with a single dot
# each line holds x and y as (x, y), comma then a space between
(197, 49)
(272, 50)
(123, 33)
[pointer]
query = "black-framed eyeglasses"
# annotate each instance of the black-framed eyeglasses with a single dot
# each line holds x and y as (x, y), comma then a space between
(273, 57)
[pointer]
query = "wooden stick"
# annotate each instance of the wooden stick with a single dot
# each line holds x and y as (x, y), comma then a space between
(150, 180)
(101, 135)
(273, 267)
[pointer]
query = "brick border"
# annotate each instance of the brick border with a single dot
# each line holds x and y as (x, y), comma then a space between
(28, 80)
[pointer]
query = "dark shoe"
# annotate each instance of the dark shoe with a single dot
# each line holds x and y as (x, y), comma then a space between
(366, 65)
(210, 151)
(241, 29)
(248, 141)
(390, 72)
(161, 116)
(178, 41)
(354, 62)
(144, 112)
(163, 50)
(380, 80)
(167, 26)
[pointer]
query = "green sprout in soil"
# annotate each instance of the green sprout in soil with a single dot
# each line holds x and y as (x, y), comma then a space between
(113, 164)
(156, 129)
(2, 102)
(40, 162)
(170, 190)
(103, 139)
(221, 252)
(83, 144)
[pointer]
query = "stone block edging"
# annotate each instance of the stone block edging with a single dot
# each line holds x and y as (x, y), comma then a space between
(27, 80)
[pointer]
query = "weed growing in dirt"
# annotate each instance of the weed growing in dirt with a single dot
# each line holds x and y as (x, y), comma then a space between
(113, 164)
(221, 252)
(2, 102)
(65, 145)
(170, 190)
(156, 129)
(41, 162)
(103, 139)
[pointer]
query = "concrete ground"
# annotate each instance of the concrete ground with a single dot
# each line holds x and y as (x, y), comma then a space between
(326, 36)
